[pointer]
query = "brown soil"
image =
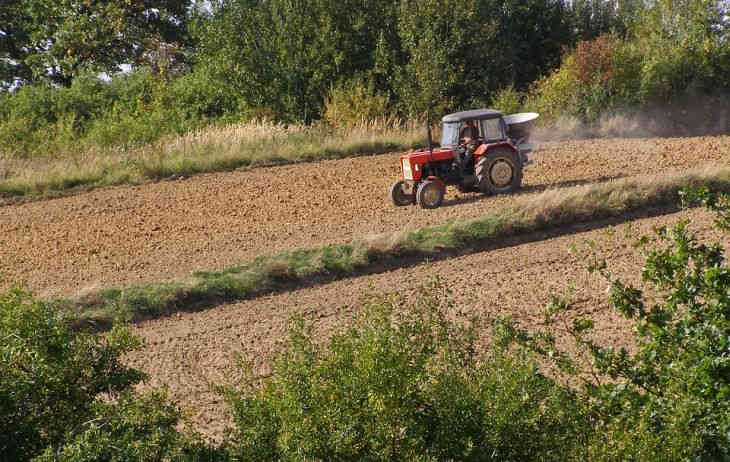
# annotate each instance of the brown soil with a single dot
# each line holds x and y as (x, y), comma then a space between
(135, 234)
(191, 351)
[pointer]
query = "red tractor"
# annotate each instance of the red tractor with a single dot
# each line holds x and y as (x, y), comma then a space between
(480, 150)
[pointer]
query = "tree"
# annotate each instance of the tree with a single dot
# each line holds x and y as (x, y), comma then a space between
(54, 40)
(447, 46)
(458, 54)
(285, 55)
(530, 40)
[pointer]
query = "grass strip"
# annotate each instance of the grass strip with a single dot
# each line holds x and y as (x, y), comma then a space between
(213, 149)
(549, 209)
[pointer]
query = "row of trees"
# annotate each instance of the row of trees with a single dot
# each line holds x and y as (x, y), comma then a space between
(295, 61)
(285, 56)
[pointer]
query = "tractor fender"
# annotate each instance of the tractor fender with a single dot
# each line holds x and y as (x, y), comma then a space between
(439, 182)
(505, 144)
(483, 149)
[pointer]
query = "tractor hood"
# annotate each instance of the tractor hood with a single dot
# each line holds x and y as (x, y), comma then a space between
(412, 162)
(424, 156)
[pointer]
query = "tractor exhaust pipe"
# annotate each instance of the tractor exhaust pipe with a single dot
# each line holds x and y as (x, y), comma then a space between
(428, 135)
(430, 139)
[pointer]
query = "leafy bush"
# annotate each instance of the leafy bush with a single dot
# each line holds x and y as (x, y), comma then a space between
(354, 103)
(197, 97)
(130, 110)
(597, 76)
(52, 375)
(670, 399)
(139, 428)
(401, 385)
(508, 100)
(554, 95)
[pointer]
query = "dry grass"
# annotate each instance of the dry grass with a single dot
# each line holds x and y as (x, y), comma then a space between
(216, 148)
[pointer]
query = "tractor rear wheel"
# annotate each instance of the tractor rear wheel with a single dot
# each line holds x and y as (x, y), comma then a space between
(429, 195)
(499, 171)
(399, 196)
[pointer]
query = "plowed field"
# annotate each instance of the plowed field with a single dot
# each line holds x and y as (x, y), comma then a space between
(190, 351)
(129, 235)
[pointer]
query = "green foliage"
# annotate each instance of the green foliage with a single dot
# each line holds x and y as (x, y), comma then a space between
(196, 98)
(137, 428)
(354, 103)
(55, 41)
(441, 39)
(673, 49)
(52, 375)
(286, 55)
(130, 110)
(507, 100)
(670, 398)
(401, 384)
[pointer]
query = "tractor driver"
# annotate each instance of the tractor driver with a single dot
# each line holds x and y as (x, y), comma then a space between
(469, 134)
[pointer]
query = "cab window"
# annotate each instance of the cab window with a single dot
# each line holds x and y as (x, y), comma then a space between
(493, 128)
(450, 134)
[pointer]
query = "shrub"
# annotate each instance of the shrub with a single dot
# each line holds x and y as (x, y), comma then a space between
(198, 97)
(401, 385)
(554, 95)
(139, 428)
(52, 374)
(670, 399)
(353, 103)
(598, 76)
(508, 100)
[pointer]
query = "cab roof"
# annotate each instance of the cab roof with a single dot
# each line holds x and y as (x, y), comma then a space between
(474, 114)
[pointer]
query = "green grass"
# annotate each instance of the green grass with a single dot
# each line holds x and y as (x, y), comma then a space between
(550, 209)
(213, 149)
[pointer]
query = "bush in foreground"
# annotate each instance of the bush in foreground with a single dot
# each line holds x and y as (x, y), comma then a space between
(52, 375)
(670, 399)
(136, 428)
(68, 395)
(401, 385)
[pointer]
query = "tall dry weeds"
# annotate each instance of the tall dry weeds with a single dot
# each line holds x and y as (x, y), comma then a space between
(215, 148)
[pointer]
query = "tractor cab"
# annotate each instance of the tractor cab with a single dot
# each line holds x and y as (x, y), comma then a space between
(487, 122)
(479, 150)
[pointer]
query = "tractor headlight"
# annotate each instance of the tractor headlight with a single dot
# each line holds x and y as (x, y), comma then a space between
(407, 174)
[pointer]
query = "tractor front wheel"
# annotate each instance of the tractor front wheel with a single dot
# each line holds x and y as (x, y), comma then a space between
(399, 196)
(429, 195)
(499, 171)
